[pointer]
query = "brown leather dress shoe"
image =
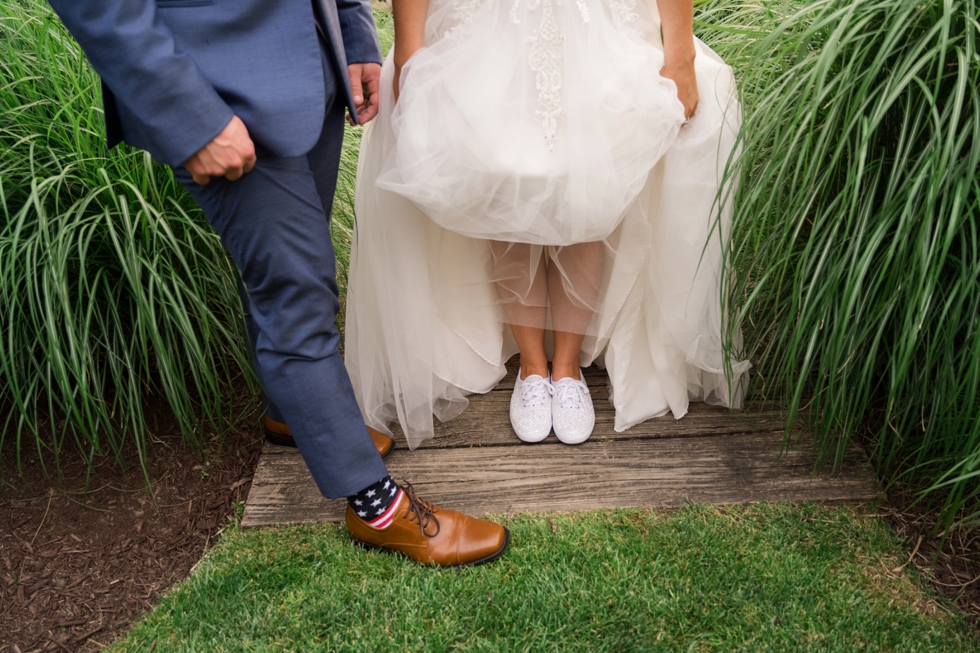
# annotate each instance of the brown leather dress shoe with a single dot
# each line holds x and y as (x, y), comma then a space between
(428, 534)
(279, 433)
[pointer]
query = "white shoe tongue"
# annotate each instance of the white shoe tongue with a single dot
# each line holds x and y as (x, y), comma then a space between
(569, 393)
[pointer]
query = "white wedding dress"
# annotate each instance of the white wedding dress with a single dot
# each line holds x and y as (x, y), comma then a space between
(536, 168)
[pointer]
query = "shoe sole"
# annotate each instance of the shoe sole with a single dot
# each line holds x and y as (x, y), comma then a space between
(288, 441)
(529, 440)
(476, 563)
(572, 441)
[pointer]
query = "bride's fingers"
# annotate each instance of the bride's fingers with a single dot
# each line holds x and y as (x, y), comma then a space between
(685, 81)
(689, 109)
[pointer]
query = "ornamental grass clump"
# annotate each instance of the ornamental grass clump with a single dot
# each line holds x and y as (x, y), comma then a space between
(855, 258)
(112, 285)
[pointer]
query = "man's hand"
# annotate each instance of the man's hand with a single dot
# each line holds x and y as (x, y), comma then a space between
(230, 155)
(365, 84)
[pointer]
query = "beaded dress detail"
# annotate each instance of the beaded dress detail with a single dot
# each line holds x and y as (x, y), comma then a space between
(535, 172)
(546, 61)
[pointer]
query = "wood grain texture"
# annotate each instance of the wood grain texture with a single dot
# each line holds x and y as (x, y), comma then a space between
(648, 473)
(486, 422)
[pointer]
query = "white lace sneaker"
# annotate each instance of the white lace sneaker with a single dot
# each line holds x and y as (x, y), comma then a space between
(530, 408)
(572, 410)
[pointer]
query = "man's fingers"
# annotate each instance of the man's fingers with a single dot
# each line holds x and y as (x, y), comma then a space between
(369, 112)
(355, 84)
(373, 83)
(249, 161)
(234, 174)
(230, 154)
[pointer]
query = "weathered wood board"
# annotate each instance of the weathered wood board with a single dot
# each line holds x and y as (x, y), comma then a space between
(476, 464)
(653, 472)
(486, 421)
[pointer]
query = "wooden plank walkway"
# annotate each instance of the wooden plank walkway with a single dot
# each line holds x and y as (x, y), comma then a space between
(476, 464)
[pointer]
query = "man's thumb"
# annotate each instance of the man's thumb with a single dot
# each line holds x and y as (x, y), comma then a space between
(355, 84)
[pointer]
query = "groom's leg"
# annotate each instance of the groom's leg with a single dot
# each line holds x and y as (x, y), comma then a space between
(251, 335)
(272, 222)
(323, 160)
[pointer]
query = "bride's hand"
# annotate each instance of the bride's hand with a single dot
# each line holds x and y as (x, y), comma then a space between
(679, 50)
(401, 58)
(684, 77)
(409, 17)
(395, 82)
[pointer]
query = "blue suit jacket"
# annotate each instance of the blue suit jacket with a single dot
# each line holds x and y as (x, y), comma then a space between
(174, 72)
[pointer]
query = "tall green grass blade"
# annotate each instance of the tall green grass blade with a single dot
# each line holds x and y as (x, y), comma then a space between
(854, 270)
(112, 285)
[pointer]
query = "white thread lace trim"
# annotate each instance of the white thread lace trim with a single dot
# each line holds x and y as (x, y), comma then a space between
(532, 5)
(622, 11)
(513, 12)
(546, 59)
(462, 11)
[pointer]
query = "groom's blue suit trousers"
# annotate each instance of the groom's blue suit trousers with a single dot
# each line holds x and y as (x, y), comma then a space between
(275, 223)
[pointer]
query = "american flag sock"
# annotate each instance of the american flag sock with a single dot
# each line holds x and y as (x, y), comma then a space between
(375, 504)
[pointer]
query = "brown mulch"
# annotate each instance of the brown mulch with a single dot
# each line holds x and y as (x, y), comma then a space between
(77, 569)
(952, 565)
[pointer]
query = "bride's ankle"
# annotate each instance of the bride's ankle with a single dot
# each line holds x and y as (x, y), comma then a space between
(562, 371)
(532, 367)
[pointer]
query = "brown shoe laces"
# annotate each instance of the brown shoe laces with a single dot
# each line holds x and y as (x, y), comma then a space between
(421, 510)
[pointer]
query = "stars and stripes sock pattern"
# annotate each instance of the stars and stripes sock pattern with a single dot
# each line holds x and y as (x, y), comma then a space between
(376, 503)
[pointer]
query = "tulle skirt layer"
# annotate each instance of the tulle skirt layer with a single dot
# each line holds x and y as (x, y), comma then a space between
(535, 172)
(530, 125)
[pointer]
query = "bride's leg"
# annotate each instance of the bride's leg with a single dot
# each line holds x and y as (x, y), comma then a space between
(521, 279)
(574, 277)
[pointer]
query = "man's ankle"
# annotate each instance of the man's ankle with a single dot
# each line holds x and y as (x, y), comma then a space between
(375, 504)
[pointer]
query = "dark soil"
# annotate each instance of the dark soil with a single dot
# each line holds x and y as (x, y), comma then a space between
(78, 568)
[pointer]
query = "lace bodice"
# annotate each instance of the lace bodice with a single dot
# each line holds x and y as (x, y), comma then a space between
(546, 39)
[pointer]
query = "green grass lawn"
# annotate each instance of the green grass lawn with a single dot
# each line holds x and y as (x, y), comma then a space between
(766, 577)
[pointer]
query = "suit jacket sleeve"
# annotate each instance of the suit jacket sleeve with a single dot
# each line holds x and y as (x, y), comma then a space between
(171, 109)
(360, 36)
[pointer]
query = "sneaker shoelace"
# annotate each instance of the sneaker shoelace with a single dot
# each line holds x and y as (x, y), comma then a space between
(534, 393)
(571, 394)
(420, 510)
